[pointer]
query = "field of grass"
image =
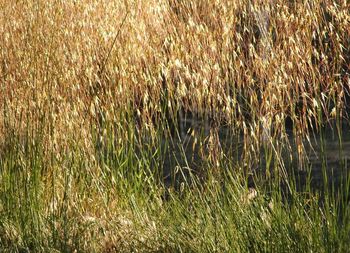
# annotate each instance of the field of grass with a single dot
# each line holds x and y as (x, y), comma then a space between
(94, 154)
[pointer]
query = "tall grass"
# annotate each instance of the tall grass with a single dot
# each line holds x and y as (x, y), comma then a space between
(173, 126)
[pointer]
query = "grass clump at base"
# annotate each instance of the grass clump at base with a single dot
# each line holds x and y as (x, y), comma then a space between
(71, 205)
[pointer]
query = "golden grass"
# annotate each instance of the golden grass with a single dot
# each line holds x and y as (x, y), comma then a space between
(64, 70)
(209, 53)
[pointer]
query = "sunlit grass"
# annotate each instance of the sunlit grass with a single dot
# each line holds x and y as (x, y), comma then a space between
(173, 126)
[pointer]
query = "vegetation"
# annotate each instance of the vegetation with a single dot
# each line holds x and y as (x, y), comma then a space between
(96, 153)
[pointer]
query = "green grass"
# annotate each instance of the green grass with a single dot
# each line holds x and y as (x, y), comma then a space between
(118, 202)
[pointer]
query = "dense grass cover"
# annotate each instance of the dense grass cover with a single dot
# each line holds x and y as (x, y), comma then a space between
(95, 155)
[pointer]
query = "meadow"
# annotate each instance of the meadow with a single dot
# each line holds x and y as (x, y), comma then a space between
(174, 126)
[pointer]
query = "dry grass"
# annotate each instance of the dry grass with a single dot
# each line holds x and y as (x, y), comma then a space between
(210, 57)
(76, 73)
